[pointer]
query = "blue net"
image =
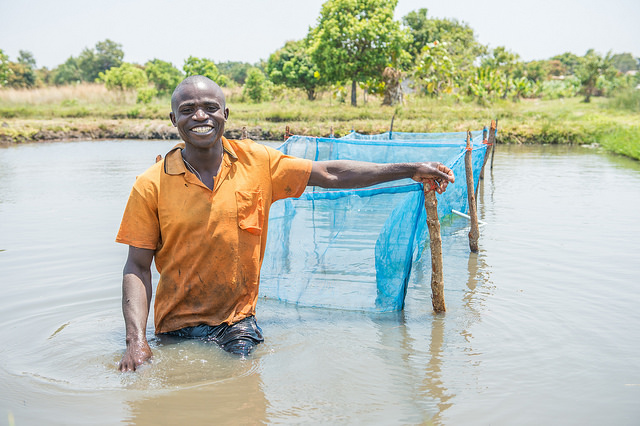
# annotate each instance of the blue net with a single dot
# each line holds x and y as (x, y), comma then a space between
(353, 249)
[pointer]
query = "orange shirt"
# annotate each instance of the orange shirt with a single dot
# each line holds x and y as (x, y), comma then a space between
(209, 245)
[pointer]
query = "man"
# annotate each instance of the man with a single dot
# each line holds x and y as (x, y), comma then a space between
(202, 212)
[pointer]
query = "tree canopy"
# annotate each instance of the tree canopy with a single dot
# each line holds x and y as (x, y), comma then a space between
(292, 66)
(92, 62)
(164, 76)
(206, 67)
(355, 40)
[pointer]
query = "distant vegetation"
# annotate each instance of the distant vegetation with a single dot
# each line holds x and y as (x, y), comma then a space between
(355, 51)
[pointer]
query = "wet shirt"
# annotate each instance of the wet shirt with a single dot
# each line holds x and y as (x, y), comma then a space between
(209, 245)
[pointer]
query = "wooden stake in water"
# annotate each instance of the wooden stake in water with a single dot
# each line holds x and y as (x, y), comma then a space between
(433, 224)
(474, 233)
(244, 133)
(489, 150)
(492, 139)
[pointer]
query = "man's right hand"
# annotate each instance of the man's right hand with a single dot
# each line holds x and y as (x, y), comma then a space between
(137, 353)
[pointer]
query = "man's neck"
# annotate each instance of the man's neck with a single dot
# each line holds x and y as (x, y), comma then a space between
(206, 160)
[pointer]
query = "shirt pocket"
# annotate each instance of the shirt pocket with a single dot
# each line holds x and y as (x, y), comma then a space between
(250, 211)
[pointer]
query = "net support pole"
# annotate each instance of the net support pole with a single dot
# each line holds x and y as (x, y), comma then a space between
(433, 224)
(244, 133)
(492, 139)
(486, 157)
(474, 233)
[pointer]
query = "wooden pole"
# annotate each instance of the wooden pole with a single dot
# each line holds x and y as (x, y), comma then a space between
(433, 224)
(391, 126)
(486, 157)
(331, 134)
(486, 154)
(244, 133)
(473, 212)
(492, 139)
(286, 133)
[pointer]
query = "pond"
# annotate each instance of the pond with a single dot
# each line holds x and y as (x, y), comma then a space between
(541, 325)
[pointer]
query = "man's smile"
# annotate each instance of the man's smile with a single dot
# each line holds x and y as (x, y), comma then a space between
(202, 129)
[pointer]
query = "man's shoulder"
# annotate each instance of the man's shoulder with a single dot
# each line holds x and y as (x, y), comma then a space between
(249, 150)
(151, 176)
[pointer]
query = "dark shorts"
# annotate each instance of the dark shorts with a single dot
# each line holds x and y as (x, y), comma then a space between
(239, 338)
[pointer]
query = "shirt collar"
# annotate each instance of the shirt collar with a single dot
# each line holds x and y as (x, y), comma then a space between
(173, 164)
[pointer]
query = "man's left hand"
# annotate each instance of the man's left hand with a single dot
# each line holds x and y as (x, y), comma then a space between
(433, 172)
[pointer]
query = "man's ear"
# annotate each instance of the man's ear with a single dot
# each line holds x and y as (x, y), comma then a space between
(226, 114)
(173, 118)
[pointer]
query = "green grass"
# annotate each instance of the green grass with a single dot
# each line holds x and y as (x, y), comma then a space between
(90, 109)
(624, 141)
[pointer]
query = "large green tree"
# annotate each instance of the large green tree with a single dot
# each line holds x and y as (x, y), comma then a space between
(124, 77)
(355, 40)
(624, 62)
(22, 73)
(68, 72)
(106, 54)
(164, 76)
(458, 38)
(205, 67)
(592, 67)
(292, 66)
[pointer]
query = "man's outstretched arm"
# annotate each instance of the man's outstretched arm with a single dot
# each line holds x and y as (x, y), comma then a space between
(358, 174)
(136, 299)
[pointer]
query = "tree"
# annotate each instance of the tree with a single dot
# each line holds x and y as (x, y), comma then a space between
(435, 70)
(591, 68)
(461, 44)
(68, 72)
(256, 87)
(5, 71)
(205, 67)
(569, 60)
(20, 74)
(355, 40)
(26, 58)
(236, 71)
(91, 62)
(163, 75)
(624, 62)
(293, 67)
(125, 77)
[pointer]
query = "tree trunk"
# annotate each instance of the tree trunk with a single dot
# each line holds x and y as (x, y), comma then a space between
(392, 89)
(354, 99)
(311, 94)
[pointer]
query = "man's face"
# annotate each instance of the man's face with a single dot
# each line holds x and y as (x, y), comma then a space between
(199, 113)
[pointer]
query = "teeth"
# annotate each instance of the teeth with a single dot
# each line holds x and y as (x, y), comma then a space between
(202, 129)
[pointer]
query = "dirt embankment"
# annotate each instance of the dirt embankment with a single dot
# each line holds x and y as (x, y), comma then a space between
(19, 131)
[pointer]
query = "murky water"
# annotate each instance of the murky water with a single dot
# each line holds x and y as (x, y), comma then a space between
(542, 327)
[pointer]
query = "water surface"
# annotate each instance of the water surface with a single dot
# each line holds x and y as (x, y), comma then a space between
(541, 325)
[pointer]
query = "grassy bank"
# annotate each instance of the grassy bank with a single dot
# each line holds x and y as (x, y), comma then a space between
(90, 111)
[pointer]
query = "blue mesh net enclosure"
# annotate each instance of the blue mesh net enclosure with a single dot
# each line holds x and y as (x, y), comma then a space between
(353, 249)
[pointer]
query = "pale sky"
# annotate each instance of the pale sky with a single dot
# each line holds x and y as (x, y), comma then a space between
(250, 30)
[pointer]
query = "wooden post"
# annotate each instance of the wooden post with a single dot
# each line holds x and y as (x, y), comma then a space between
(244, 133)
(287, 133)
(473, 212)
(433, 223)
(331, 134)
(391, 126)
(486, 154)
(492, 139)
